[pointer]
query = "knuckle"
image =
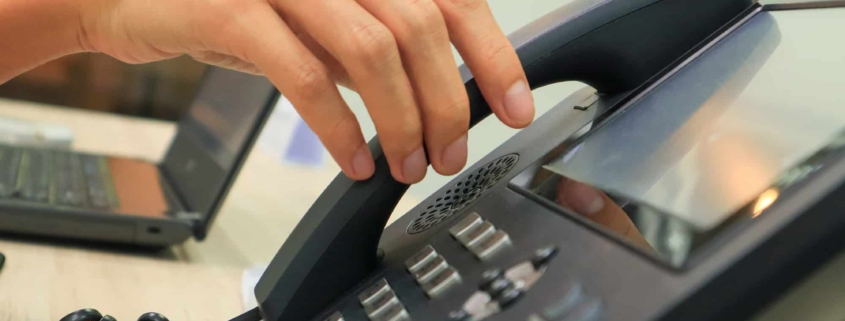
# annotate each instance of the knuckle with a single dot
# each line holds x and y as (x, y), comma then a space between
(493, 46)
(311, 80)
(423, 19)
(342, 130)
(452, 115)
(373, 43)
(403, 131)
(226, 15)
(458, 105)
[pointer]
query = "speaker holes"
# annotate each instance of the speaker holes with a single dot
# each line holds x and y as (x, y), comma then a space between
(465, 191)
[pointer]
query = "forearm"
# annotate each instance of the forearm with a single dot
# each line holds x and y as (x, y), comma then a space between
(33, 32)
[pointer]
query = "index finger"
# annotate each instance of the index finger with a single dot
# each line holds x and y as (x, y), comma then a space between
(491, 58)
(266, 41)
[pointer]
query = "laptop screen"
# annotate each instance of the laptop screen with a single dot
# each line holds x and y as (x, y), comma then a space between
(215, 135)
(225, 112)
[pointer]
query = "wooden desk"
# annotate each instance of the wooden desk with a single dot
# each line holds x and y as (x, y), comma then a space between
(44, 280)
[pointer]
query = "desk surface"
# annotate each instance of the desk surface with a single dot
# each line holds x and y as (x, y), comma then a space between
(44, 280)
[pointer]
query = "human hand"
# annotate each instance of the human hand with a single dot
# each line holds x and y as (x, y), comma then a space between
(396, 54)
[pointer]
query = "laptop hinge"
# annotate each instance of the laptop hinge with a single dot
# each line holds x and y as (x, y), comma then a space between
(184, 212)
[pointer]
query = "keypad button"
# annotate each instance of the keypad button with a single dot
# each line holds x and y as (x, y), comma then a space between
(431, 270)
(488, 276)
(374, 293)
(477, 234)
(509, 296)
(444, 281)
(384, 303)
(466, 225)
(542, 256)
(335, 317)
(488, 247)
(394, 313)
(498, 286)
(420, 260)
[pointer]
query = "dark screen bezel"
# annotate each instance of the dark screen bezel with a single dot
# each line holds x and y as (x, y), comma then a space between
(183, 148)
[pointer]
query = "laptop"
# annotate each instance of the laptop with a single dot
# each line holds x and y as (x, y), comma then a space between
(58, 193)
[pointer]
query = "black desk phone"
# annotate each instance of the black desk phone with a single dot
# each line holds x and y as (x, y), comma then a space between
(697, 176)
(718, 197)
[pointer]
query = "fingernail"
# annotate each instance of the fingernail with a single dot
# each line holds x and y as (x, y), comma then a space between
(362, 163)
(583, 198)
(414, 166)
(519, 103)
(455, 155)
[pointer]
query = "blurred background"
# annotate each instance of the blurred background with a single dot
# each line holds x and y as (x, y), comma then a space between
(161, 90)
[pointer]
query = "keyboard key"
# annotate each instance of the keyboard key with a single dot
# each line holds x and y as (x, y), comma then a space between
(56, 177)
(9, 161)
(94, 181)
(34, 179)
(70, 180)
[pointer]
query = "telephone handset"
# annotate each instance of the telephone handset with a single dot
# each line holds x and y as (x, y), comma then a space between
(615, 46)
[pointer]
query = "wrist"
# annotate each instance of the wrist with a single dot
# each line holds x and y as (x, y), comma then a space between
(90, 14)
(37, 31)
(61, 29)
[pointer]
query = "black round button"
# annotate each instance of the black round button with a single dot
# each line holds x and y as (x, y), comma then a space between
(152, 316)
(543, 255)
(108, 318)
(83, 315)
(509, 296)
(498, 286)
(459, 315)
(487, 277)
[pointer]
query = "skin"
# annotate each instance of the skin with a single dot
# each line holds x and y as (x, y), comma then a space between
(396, 54)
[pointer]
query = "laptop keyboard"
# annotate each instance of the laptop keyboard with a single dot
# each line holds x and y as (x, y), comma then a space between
(55, 177)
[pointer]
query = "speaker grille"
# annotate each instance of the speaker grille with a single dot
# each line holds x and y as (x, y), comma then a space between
(462, 193)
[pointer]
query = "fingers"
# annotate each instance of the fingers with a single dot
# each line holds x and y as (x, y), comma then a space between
(492, 59)
(370, 54)
(336, 69)
(423, 41)
(396, 54)
(598, 207)
(305, 81)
